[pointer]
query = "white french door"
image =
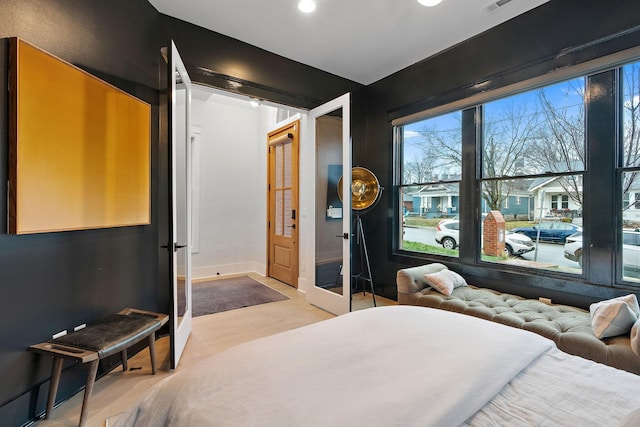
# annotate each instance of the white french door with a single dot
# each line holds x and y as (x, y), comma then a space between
(329, 260)
(180, 245)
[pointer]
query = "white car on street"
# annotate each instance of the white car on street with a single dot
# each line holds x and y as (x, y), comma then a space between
(448, 231)
(630, 250)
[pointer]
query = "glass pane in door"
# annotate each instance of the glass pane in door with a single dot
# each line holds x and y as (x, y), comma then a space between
(180, 146)
(329, 240)
(283, 191)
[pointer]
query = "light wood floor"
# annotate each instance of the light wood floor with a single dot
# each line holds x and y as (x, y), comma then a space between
(117, 391)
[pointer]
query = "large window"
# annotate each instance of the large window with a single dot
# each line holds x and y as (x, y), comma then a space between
(531, 167)
(533, 148)
(538, 159)
(431, 159)
(630, 175)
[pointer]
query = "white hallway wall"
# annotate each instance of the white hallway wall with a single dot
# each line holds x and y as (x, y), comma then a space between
(233, 176)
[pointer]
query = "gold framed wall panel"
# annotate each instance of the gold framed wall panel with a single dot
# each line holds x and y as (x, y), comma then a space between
(79, 148)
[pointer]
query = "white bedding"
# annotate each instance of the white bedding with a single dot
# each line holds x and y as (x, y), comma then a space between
(562, 390)
(390, 366)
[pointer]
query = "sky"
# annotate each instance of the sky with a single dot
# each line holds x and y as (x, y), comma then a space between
(567, 95)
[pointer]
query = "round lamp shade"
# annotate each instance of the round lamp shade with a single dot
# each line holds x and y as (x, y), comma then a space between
(365, 189)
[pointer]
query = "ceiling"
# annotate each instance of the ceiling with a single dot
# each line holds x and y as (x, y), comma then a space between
(361, 40)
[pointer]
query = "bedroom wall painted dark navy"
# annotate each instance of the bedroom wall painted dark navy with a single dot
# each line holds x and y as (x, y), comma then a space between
(55, 281)
(538, 42)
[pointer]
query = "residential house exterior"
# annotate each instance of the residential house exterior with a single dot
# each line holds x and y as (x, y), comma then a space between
(439, 200)
(631, 207)
(552, 199)
(442, 200)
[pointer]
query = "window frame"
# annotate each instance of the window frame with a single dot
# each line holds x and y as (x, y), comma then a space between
(441, 204)
(621, 170)
(597, 244)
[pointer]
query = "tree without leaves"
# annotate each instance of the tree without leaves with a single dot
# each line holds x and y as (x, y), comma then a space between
(560, 144)
(506, 145)
(631, 126)
(440, 156)
(550, 139)
(418, 170)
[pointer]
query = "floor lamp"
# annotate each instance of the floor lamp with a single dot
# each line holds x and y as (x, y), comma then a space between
(365, 194)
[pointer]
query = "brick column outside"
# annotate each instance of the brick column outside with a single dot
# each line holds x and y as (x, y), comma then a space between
(493, 232)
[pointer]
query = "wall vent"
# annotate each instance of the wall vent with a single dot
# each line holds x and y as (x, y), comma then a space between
(496, 5)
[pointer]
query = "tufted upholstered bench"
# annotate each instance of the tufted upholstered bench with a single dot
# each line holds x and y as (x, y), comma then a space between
(570, 327)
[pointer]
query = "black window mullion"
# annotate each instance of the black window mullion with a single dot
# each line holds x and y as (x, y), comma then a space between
(469, 190)
(601, 213)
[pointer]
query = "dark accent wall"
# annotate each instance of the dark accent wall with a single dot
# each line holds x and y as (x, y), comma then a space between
(55, 281)
(553, 36)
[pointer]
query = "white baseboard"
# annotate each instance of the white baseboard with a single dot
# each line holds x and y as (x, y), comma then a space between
(228, 269)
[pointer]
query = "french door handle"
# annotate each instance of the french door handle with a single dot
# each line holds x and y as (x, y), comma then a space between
(345, 236)
(175, 246)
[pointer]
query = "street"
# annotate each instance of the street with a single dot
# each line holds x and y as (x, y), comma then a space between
(547, 252)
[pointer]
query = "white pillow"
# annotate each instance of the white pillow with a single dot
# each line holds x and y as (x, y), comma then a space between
(445, 281)
(635, 337)
(614, 317)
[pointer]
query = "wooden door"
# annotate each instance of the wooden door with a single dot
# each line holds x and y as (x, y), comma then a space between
(283, 214)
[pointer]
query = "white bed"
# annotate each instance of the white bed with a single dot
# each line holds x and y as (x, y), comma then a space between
(392, 366)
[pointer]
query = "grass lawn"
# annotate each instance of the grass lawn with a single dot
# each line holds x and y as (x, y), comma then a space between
(431, 249)
(439, 250)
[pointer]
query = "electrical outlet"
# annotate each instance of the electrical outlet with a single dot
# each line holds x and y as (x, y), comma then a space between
(545, 300)
(77, 328)
(60, 334)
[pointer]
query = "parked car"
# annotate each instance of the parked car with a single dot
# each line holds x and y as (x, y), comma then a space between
(443, 220)
(549, 231)
(447, 234)
(518, 244)
(630, 251)
(573, 247)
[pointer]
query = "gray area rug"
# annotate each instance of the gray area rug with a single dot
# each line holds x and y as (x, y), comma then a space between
(220, 295)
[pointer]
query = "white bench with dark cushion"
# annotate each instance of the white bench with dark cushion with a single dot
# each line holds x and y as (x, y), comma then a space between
(570, 327)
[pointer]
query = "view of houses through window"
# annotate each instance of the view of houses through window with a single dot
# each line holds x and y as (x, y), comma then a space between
(533, 147)
(630, 176)
(430, 192)
(531, 166)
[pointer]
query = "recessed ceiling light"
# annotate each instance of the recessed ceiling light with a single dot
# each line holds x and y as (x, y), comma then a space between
(429, 2)
(307, 6)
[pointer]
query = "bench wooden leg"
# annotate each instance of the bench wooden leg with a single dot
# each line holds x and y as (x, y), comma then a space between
(56, 370)
(123, 356)
(152, 351)
(91, 379)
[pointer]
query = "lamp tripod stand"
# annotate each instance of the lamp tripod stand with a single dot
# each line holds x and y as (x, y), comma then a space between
(365, 193)
(364, 275)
